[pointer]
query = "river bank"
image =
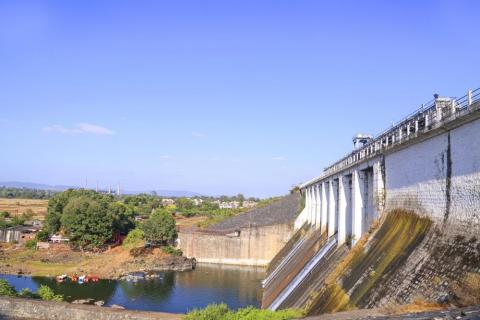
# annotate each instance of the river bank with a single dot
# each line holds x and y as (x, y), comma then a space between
(111, 264)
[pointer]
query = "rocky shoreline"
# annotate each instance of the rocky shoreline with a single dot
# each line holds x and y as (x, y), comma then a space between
(149, 269)
(113, 265)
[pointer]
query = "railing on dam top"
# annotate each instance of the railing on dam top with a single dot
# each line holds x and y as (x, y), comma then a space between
(430, 116)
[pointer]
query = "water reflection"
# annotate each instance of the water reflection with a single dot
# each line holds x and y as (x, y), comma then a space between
(156, 289)
(175, 292)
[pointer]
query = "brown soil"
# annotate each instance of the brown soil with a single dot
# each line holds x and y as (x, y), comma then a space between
(60, 259)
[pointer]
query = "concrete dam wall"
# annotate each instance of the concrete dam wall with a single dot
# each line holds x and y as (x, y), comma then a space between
(403, 209)
(252, 238)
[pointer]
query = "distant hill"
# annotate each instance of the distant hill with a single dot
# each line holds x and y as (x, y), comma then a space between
(40, 186)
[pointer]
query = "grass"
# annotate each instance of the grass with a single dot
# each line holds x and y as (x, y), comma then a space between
(222, 312)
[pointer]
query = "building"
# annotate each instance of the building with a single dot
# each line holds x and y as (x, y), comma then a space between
(229, 205)
(197, 202)
(249, 204)
(18, 234)
(168, 202)
(56, 238)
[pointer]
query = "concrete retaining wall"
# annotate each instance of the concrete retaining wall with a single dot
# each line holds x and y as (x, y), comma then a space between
(37, 309)
(254, 246)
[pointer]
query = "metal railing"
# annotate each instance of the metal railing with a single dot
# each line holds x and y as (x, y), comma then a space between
(429, 116)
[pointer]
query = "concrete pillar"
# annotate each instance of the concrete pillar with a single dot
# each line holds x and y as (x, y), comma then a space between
(308, 205)
(323, 208)
(426, 121)
(342, 212)
(357, 204)
(453, 107)
(318, 208)
(378, 189)
(314, 205)
(331, 209)
(469, 97)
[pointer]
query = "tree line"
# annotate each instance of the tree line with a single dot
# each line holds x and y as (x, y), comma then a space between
(91, 220)
(25, 193)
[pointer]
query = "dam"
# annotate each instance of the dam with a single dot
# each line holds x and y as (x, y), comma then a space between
(394, 221)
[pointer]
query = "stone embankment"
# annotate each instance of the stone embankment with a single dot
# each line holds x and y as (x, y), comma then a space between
(14, 308)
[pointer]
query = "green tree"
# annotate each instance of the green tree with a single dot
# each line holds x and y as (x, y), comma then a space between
(123, 217)
(159, 228)
(87, 222)
(184, 204)
(59, 201)
(17, 221)
(42, 235)
(6, 289)
(134, 238)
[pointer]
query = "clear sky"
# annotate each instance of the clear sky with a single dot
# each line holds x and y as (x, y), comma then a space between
(216, 97)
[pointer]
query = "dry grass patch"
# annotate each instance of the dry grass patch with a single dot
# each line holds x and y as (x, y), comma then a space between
(417, 306)
(19, 206)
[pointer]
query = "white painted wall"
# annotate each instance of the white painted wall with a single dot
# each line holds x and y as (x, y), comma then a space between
(415, 177)
(465, 190)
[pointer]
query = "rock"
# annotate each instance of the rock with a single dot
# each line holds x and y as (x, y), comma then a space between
(83, 301)
(99, 303)
(443, 298)
(116, 306)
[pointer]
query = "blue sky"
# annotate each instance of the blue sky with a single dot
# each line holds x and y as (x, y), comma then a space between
(217, 97)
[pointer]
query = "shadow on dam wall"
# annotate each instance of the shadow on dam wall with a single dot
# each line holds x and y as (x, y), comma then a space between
(408, 259)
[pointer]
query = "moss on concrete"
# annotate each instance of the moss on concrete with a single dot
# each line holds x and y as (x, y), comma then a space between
(370, 264)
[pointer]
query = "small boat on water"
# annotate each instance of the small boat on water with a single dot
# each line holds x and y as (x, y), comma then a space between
(61, 278)
(79, 279)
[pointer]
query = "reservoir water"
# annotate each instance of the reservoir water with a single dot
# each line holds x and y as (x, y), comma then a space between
(176, 292)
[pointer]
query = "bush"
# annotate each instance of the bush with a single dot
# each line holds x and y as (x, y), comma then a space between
(26, 293)
(31, 244)
(6, 289)
(134, 238)
(171, 250)
(222, 312)
(210, 312)
(42, 235)
(46, 293)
